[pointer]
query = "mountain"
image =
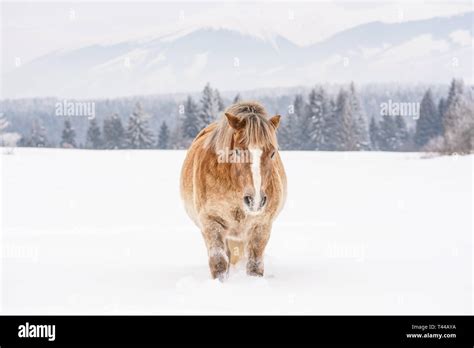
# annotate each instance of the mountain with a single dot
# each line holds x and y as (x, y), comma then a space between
(428, 51)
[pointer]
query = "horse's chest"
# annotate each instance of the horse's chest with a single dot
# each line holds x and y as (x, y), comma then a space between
(238, 216)
(239, 223)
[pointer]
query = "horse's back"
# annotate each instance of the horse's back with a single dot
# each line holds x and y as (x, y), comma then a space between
(205, 131)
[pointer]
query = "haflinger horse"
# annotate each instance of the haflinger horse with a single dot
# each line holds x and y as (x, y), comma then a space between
(233, 185)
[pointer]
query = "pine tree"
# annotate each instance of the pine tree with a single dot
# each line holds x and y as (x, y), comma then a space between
(361, 133)
(388, 134)
(285, 138)
(7, 139)
(293, 133)
(332, 129)
(359, 121)
(438, 119)
(176, 139)
(94, 140)
(139, 135)
(219, 101)
(288, 132)
(38, 135)
(458, 121)
(442, 104)
(3, 123)
(401, 132)
(374, 133)
(428, 125)
(114, 134)
(68, 138)
(455, 90)
(302, 135)
(190, 126)
(209, 107)
(237, 98)
(317, 109)
(348, 141)
(454, 105)
(163, 136)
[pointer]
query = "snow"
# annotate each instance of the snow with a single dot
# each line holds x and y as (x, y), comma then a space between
(105, 232)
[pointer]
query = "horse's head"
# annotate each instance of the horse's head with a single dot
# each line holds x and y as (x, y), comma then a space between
(254, 148)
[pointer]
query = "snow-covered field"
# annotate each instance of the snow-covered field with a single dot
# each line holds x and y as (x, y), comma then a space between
(98, 232)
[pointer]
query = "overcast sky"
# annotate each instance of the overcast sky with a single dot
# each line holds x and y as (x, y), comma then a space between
(32, 29)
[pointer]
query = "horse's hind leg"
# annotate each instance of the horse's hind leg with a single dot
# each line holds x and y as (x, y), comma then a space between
(257, 241)
(213, 230)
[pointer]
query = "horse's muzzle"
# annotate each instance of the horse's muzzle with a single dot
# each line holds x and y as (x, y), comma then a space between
(255, 206)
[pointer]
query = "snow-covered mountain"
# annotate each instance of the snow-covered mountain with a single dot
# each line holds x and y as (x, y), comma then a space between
(432, 50)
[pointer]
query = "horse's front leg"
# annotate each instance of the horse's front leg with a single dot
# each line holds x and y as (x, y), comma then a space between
(257, 241)
(213, 232)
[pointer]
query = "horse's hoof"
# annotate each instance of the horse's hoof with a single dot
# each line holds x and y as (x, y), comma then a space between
(219, 266)
(222, 277)
(255, 269)
(255, 273)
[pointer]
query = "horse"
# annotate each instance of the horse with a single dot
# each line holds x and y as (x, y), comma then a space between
(233, 185)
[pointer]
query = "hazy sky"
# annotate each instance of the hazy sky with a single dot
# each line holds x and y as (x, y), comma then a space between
(32, 29)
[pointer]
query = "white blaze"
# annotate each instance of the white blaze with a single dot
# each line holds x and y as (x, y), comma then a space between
(257, 179)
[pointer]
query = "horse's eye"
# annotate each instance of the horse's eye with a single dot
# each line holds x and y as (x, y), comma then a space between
(273, 154)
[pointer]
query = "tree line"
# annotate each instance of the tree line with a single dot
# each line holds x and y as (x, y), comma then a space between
(318, 121)
(338, 123)
(325, 123)
(447, 126)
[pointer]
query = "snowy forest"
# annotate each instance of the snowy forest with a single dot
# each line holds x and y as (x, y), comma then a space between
(325, 118)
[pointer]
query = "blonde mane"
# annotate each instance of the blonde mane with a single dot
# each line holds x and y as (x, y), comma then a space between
(258, 131)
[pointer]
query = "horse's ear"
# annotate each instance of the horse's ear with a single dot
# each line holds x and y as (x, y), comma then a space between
(275, 121)
(234, 121)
